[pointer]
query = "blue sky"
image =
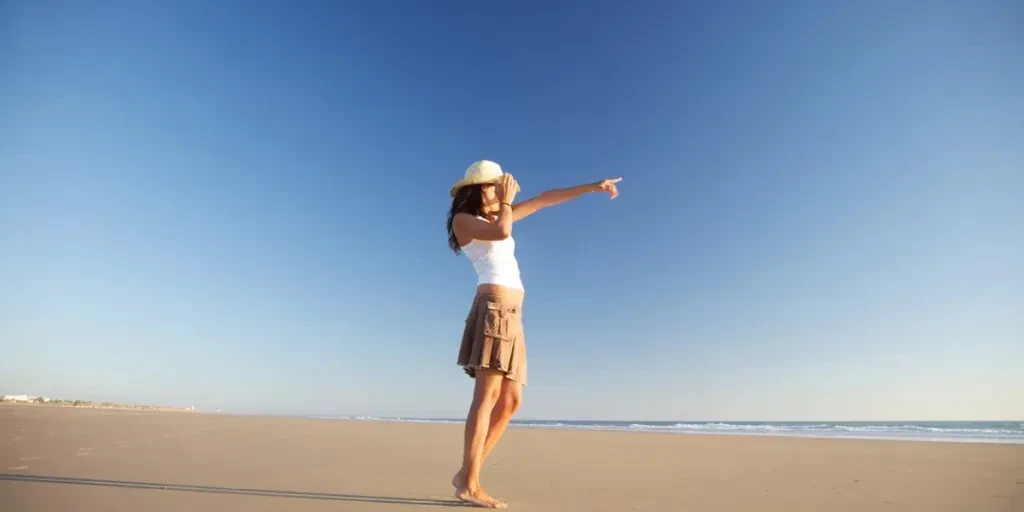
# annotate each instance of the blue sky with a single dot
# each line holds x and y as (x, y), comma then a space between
(241, 204)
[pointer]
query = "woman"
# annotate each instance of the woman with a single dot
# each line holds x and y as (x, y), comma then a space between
(493, 350)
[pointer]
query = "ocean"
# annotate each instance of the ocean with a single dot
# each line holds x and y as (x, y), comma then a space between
(948, 431)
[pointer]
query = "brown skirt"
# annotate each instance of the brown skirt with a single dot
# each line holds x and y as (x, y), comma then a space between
(493, 337)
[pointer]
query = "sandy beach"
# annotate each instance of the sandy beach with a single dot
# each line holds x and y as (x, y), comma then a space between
(54, 458)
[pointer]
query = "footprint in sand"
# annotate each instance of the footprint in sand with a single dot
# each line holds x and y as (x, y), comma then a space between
(18, 438)
(17, 468)
(30, 457)
(84, 451)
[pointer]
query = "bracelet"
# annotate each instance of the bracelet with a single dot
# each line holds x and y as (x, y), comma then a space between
(509, 204)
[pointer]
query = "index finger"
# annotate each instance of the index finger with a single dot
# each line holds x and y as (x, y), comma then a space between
(615, 180)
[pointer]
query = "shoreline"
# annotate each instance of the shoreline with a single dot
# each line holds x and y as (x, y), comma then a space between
(596, 426)
(621, 426)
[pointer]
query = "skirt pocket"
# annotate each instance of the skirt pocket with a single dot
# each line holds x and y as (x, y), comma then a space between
(496, 320)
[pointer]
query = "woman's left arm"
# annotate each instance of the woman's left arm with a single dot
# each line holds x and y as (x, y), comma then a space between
(560, 195)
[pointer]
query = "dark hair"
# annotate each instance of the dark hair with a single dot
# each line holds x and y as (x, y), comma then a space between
(469, 200)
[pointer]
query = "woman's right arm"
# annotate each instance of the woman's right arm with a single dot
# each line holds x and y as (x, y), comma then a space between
(473, 228)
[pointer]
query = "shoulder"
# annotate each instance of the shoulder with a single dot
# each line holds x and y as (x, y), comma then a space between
(466, 218)
(469, 218)
(463, 224)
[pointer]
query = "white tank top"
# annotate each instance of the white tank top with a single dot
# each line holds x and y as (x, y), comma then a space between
(495, 262)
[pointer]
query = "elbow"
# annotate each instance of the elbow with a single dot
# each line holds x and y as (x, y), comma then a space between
(506, 231)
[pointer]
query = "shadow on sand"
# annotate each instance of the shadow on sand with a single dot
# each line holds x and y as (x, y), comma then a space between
(228, 490)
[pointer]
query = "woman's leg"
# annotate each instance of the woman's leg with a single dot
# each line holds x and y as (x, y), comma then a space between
(509, 400)
(485, 396)
(508, 403)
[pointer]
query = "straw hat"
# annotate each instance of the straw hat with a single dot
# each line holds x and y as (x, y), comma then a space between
(481, 171)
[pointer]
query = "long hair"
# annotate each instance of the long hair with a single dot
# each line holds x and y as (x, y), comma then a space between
(469, 200)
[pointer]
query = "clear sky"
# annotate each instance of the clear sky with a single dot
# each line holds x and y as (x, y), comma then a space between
(242, 204)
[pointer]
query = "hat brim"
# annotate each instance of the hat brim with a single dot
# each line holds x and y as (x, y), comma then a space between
(476, 181)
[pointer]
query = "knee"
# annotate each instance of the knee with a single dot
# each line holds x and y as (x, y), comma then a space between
(509, 403)
(488, 399)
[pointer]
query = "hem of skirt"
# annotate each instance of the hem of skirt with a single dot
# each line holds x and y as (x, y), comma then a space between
(470, 368)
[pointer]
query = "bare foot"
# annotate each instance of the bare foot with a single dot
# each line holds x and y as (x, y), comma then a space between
(477, 496)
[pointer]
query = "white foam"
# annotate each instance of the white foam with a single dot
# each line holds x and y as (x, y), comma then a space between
(924, 432)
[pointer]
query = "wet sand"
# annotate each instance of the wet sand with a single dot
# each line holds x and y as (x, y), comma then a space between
(54, 458)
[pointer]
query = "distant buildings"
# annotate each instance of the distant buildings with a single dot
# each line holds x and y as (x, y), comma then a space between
(24, 398)
(28, 399)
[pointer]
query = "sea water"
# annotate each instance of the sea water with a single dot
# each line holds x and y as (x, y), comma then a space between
(962, 431)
